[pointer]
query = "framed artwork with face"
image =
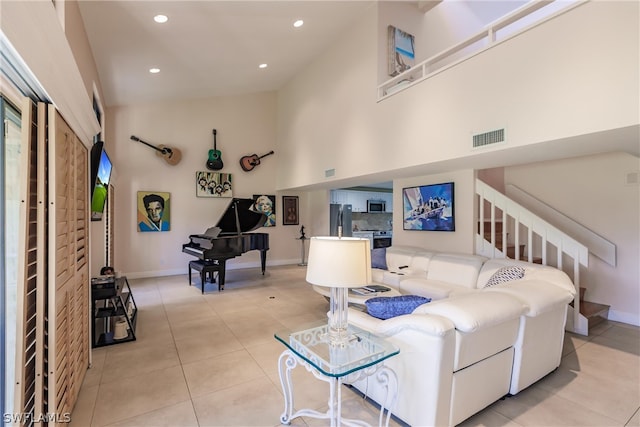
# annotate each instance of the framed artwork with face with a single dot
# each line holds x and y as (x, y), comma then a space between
(265, 204)
(154, 211)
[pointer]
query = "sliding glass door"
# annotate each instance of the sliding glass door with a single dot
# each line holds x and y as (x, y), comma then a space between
(10, 134)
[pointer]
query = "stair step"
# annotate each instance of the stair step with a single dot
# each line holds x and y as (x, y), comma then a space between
(594, 312)
(511, 251)
(590, 309)
(582, 292)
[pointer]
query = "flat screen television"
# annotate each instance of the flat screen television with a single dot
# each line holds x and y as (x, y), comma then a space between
(100, 174)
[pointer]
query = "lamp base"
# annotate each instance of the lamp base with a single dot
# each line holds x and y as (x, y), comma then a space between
(338, 334)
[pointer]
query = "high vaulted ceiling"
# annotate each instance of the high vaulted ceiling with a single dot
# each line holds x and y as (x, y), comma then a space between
(208, 47)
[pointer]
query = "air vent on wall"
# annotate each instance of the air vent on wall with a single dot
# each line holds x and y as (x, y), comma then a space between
(488, 138)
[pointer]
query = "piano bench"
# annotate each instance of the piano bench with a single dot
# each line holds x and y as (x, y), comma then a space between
(208, 268)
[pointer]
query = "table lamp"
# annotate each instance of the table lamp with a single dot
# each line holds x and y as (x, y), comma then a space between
(339, 263)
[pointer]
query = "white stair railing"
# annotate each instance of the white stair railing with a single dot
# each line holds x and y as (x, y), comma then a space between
(514, 216)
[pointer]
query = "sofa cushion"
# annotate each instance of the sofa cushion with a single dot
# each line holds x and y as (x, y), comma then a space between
(399, 256)
(419, 264)
(457, 269)
(434, 289)
(379, 258)
(505, 274)
(377, 275)
(388, 307)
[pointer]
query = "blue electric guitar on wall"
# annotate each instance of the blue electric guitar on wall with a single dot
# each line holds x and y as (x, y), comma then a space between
(215, 156)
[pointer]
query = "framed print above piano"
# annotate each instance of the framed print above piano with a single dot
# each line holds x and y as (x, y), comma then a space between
(213, 184)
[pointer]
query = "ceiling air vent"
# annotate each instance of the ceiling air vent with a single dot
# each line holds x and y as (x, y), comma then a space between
(488, 138)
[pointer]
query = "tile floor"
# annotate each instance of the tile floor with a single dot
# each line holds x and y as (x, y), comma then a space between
(211, 360)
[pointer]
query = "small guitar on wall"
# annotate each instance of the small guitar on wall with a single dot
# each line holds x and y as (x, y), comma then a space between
(215, 156)
(170, 155)
(249, 162)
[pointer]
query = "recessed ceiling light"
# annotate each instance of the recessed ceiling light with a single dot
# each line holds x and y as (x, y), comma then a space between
(161, 19)
(298, 23)
(262, 66)
(154, 70)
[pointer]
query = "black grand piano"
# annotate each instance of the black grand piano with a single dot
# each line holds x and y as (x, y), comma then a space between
(230, 238)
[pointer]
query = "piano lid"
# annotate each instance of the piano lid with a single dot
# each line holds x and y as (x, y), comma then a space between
(239, 219)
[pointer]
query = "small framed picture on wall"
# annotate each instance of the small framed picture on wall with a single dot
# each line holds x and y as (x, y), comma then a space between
(290, 210)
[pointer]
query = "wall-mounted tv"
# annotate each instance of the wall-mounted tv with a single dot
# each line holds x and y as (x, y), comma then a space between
(100, 174)
(428, 207)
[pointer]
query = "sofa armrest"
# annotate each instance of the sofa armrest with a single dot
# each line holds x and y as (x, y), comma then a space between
(539, 296)
(432, 325)
(476, 310)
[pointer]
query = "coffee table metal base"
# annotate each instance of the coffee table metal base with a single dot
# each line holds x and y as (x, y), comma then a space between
(383, 374)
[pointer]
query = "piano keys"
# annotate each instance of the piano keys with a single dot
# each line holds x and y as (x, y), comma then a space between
(231, 238)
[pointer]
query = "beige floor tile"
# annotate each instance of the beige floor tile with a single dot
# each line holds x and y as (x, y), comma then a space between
(266, 355)
(537, 407)
(308, 391)
(135, 358)
(488, 418)
(194, 348)
(572, 342)
(179, 415)
(195, 327)
(133, 396)
(83, 410)
(94, 373)
(254, 403)
(612, 397)
(216, 373)
(635, 420)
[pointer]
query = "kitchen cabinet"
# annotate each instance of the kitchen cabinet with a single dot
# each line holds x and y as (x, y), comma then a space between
(358, 199)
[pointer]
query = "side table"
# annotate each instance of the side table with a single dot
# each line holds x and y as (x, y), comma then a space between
(362, 357)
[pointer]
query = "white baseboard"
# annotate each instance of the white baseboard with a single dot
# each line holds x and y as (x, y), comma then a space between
(183, 271)
(624, 317)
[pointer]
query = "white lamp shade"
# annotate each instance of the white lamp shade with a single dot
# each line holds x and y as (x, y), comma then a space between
(339, 262)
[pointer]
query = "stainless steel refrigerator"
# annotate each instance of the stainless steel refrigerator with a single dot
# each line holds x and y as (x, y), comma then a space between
(340, 215)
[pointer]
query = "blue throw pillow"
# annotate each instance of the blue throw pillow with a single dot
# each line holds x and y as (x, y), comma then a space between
(388, 307)
(379, 258)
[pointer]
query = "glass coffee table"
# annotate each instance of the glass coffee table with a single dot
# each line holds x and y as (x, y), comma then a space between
(362, 357)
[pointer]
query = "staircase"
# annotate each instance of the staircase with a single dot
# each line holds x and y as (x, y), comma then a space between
(508, 230)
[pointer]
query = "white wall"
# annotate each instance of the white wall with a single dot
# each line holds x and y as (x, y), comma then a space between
(593, 191)
(245, 125)
(462, 239)
(541, 86)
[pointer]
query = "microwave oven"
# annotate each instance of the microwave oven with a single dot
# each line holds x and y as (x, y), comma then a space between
(376, 206)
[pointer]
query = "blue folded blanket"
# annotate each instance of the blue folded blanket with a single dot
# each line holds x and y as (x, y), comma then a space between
(388, 307)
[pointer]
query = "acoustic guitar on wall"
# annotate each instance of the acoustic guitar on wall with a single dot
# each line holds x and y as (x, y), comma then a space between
(215, 156)
(170, 155)
(247, 163)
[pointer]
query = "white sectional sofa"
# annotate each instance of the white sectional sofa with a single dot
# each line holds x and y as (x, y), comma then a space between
(471, 345)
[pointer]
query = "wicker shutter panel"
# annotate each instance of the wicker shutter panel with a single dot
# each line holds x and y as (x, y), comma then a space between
(68, 340)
